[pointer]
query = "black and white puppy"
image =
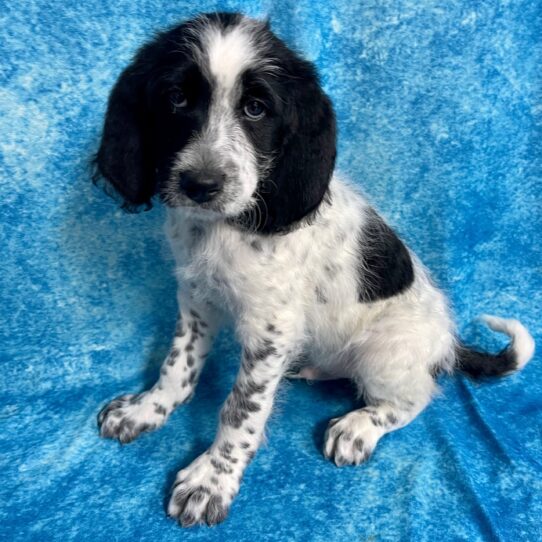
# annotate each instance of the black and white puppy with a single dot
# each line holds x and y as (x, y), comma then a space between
(232, 130)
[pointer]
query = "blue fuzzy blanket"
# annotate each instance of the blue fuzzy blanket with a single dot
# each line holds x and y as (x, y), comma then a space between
(440, 117)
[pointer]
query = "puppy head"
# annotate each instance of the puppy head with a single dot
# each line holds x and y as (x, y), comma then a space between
(220, 118)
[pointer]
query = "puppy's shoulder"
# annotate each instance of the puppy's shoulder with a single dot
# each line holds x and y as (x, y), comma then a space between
(384, 266)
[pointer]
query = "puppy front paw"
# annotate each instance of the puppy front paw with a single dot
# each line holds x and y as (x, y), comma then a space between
(203, 492)
(127, 416)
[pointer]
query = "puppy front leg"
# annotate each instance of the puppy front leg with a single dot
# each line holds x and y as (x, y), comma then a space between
(127, 416)
(203, 491)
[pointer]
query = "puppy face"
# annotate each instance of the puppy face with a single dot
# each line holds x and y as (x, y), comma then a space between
(229, 117)
(220, 118)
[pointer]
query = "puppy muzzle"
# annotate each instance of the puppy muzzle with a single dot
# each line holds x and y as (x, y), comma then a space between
(201, 186)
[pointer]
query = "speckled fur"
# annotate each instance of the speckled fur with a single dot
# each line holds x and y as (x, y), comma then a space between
(391, 348)
(439, 116)
(308, 291)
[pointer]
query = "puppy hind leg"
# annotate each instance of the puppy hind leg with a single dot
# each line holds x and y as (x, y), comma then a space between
(351, 439)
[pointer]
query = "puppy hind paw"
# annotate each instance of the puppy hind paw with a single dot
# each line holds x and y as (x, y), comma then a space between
(349, 440)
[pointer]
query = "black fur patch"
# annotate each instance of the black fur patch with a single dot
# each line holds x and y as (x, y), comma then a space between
(320, 296)
(250, 388)
(391, 418)
(300, 134)
(256, 245)
(250, 454)
(481, 364)
(238, 406)
(216, 511)
(376, 421)
(263, 351)
(220, 467)
(226, 450)
(226, 447)
(385, 267)
(160, 409)
(141, 131)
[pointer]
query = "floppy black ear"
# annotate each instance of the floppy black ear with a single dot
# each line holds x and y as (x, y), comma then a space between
(299, 179)
(124, 158)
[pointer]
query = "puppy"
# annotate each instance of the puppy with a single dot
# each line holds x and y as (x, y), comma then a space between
(232, 131)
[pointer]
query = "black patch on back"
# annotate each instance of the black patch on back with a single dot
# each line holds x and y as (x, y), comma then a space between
(385, 267)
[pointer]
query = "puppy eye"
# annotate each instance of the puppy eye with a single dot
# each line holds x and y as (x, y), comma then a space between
(177, 99)
(254, 110)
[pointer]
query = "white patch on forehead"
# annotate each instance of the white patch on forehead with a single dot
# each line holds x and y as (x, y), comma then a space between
(223, 54)
(229, 52)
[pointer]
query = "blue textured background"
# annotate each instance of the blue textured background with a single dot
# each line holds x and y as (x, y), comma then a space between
(440, 117)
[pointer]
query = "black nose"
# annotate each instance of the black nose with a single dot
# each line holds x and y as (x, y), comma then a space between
(201, 187)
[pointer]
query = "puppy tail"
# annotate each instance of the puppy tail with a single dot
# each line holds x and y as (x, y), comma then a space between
(513, 358)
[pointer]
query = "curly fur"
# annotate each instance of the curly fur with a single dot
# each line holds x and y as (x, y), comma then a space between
(266, 236)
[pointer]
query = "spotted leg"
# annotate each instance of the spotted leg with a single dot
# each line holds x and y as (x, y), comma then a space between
(351, 439)
(205, 489)
(127, 416)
